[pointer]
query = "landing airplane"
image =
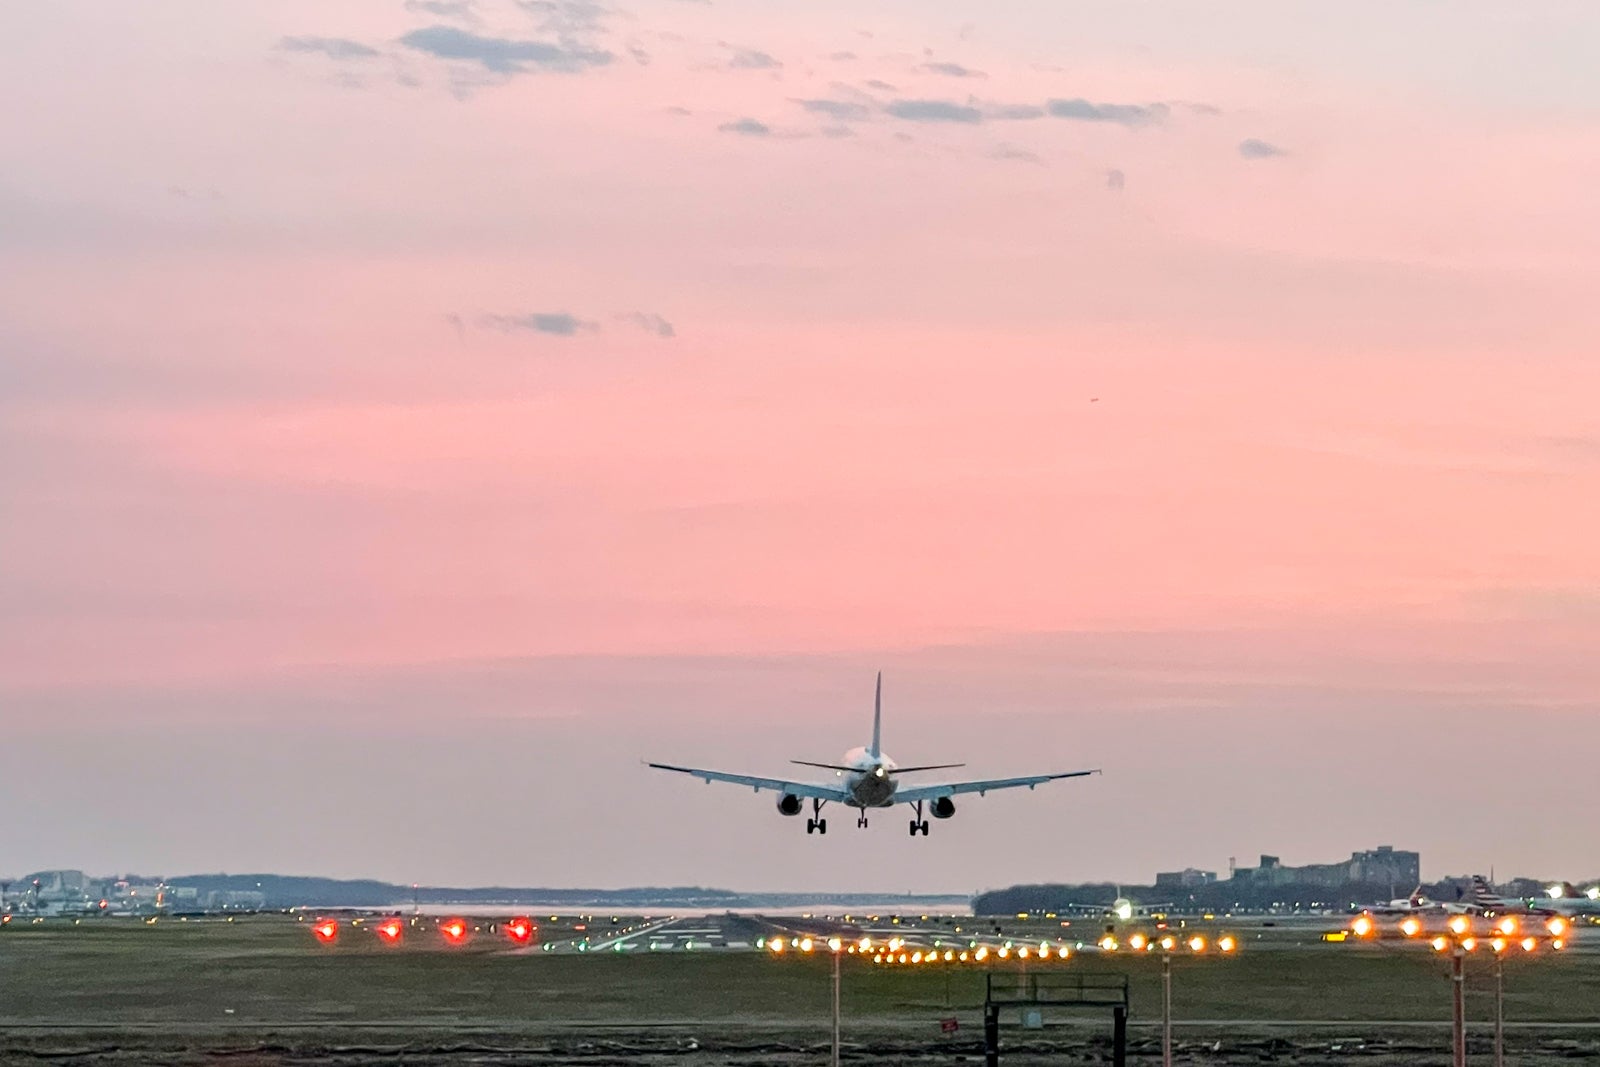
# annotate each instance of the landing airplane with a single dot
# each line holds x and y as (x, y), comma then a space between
(1122, 909)
(867, 780)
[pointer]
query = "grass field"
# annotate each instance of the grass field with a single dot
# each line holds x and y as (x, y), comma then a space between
(185, 987)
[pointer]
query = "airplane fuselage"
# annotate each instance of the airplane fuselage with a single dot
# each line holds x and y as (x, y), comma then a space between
(870, 779)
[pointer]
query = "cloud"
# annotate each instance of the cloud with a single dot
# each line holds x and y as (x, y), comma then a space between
(554, 323)
(746, 127)
(933, 111)
(1120, 114)
(842, 110)
(1250, 148)
(953, 70)
(1116, 180)
(1014, 112)
(842, 57)
(570, 20)
(503, 55)
(333, 47)
(1011, 152)
(880, 85)
(753, 59)
(651, 323)
(445, 9)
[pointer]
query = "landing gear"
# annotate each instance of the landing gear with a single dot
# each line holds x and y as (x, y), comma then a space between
(816, 824)
(862, 821)
(919, 824)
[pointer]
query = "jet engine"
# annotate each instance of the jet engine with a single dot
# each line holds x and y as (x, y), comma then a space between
(788, 804)
(943, 807)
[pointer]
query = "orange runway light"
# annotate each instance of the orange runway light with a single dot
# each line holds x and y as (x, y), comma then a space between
(519, 930)
(1460, 925)
(1507, 926)
(1556, 926)
(1411, 927)
(1362, 927)
(390, 930)
(1529, 944)
(1197, 944)
(454, 930)
(326, 931)
(1227, 944)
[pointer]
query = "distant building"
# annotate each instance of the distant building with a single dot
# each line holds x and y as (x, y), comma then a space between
(1187, 878)
(1383, 865)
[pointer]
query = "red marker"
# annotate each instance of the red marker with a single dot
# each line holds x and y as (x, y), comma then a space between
(519, 930)
(390, 930)
(327, 931)
(454, 930)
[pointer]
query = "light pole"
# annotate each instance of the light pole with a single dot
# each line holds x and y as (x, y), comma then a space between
(835, 944)
(1166, 1002)
(1458, 1008)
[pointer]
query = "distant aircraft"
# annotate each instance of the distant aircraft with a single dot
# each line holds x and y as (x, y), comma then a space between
(867, 780)
(1416, 904)
(1566, 899)
(1123, 909)
(1484, 901)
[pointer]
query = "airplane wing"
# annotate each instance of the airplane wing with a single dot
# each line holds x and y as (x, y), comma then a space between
(933, 792)
(777, 785)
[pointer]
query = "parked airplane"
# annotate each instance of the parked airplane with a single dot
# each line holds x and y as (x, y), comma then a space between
(867, 780)
(1566, 899)
(1484, 901)
(1416, 904)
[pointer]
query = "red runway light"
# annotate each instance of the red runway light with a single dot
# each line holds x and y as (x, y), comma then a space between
(520, 931)
(327, 931)
(390, 930)
(454, 930)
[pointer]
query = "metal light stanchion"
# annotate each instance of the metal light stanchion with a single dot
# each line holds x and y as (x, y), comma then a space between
(835, 945)
(1166, 1004)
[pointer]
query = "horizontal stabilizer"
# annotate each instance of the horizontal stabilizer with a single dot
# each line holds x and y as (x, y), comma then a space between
(929, 767)
(824, 766)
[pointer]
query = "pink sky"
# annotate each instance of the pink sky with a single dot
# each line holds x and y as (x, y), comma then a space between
(1204, 393)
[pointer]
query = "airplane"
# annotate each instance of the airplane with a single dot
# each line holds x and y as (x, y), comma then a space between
(1123, 909)
(1416, 904)
(867, 779)
(1566, 899)
(1484, 901)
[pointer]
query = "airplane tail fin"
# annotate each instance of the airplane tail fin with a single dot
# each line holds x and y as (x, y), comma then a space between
(1416, 895)
(877, 719)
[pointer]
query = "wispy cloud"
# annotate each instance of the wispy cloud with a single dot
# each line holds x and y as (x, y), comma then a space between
(952, 70)
(650, 323)
(503, 55)
(842, 110)
(1119, 114)
(746, 127)
(334, 47)
(933, 111)
(554, 323)
(1116, 180)
(1251, 148)
(445, 9)
(1014, 154)
(753, 59)
(1013, 112)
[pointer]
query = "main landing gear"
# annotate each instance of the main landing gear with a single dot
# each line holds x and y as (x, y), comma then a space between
(816, 824)
(919, 824)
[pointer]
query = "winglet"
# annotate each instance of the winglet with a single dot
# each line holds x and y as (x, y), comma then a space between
(877, 718)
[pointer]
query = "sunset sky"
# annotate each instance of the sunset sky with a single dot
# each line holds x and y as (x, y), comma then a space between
(415, 413)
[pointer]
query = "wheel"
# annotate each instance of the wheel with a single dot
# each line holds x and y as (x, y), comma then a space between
(914, 828)
(822, 826)
(924, 827)
(811, 826)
